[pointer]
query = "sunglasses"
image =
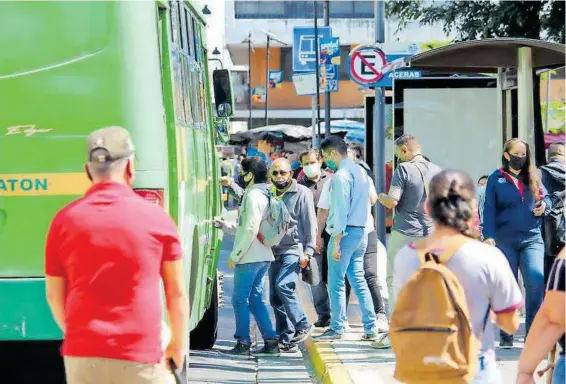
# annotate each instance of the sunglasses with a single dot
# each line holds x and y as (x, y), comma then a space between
(282, 173)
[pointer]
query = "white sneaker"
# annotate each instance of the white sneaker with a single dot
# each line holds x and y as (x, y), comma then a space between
(382, 324)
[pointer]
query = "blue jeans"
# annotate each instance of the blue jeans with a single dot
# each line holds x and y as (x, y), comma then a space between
(528, 256)
(320, 299)
(558, 375)
(248, 297)
(353, 247)
(289, 315)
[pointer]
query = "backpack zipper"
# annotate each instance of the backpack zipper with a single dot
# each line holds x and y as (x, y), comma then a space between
(427, 329)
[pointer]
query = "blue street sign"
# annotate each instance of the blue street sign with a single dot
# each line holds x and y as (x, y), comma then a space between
(387, 80)
(304, 50)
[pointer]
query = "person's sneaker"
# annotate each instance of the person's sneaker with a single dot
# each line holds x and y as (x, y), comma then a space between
(270, 348)
(329, 334)
(382, 342)
(288, 348)
(506, 343)
(241, 350)
(369, 336)
(382, 324)
(322, 322)
(302, 335)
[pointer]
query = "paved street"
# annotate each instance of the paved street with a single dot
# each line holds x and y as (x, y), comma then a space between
(213, 367)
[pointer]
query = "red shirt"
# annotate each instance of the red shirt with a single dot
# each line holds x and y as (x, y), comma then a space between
(110, 246)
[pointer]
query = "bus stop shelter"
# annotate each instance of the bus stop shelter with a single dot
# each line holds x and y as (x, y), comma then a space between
(517, 62)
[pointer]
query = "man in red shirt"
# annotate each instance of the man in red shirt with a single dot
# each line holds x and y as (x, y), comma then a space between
(104, 258)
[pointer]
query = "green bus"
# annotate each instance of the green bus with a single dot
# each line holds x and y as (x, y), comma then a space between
(68, 68)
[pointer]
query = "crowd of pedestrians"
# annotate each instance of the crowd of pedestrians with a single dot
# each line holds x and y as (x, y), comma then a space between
(456, 246)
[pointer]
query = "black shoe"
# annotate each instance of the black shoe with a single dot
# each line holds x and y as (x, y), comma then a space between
(270, 348)
(288, 348)
(322, 322)
(302, 335)
(506, 342)
(241, 350)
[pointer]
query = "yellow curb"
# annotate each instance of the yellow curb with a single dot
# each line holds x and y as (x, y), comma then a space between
(326, 364)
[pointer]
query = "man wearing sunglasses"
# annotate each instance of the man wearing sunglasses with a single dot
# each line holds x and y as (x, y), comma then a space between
(293, 253)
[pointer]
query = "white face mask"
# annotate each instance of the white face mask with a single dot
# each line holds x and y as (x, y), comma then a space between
(312, 170)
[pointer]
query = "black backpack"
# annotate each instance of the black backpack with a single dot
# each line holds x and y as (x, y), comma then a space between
(555, 221)
(554, 225)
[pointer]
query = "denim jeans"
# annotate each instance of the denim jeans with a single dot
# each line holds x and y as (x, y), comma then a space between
(558, 375)
(289, 315)
(248, 297)
(352, 246)
(320, 298)
(487, 370)
(528, 256)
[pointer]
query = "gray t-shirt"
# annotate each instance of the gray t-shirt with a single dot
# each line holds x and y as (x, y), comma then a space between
(484, 273)
(410, 217)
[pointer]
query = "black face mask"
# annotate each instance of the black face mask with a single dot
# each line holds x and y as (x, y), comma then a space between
(243, 183)
(281, 184)
(517, 162)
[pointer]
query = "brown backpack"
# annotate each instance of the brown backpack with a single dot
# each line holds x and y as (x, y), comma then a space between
(430, 331)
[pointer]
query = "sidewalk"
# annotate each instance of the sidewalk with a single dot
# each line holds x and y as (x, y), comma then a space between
(351, 361)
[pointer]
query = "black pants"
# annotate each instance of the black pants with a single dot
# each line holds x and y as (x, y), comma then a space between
(370, 271)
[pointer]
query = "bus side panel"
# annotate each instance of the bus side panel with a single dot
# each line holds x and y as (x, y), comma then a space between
(59, 82)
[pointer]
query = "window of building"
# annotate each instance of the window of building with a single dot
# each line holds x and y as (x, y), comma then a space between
(295, 9)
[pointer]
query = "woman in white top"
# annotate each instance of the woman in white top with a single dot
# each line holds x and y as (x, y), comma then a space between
(482, 270)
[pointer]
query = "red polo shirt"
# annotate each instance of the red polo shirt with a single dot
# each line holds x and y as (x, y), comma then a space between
(110, 246)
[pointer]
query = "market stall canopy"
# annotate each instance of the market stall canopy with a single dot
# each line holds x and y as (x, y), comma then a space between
(355, 131)
(285, 132)
(487, 55)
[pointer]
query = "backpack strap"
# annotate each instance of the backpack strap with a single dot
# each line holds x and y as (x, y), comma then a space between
(454, 244)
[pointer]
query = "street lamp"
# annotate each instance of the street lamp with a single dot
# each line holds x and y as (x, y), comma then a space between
(206, 11)
(216, 51)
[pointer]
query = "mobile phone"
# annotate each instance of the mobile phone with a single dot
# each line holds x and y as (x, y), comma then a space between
(538, 204)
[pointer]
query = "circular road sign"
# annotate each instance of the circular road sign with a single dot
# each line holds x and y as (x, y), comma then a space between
(366, 64)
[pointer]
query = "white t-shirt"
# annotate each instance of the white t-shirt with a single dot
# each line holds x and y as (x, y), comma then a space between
(324, 202)
(484, 273)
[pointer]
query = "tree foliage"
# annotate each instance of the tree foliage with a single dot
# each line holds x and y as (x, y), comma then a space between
(471, 20)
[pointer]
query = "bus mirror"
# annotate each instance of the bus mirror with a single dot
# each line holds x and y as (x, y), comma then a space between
(223, 95)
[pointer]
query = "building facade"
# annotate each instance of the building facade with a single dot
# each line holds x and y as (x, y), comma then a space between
(249, 22)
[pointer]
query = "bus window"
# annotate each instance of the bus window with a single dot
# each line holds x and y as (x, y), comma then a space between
(188, 23)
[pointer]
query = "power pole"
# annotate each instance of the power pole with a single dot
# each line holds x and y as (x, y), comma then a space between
(250, 79)
(327, 94)
(379, 129)
(317, 64)
(266, 78)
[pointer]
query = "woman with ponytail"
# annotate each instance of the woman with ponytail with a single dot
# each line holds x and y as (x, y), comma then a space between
(512, 220)
(481, 270)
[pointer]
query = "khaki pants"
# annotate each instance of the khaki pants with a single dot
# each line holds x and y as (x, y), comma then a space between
(396, 241)
(95, 370)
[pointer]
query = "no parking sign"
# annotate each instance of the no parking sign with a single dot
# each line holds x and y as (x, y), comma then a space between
(367, 64)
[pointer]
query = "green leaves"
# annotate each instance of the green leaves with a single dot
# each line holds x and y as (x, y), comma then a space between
(477, 19)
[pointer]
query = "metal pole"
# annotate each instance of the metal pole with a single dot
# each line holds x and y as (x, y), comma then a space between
(379, 130)
(250, 79)
(548, 78)
(313, 126)
(327, 94)
(317, 49)
(266, 79)
(525, 96)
